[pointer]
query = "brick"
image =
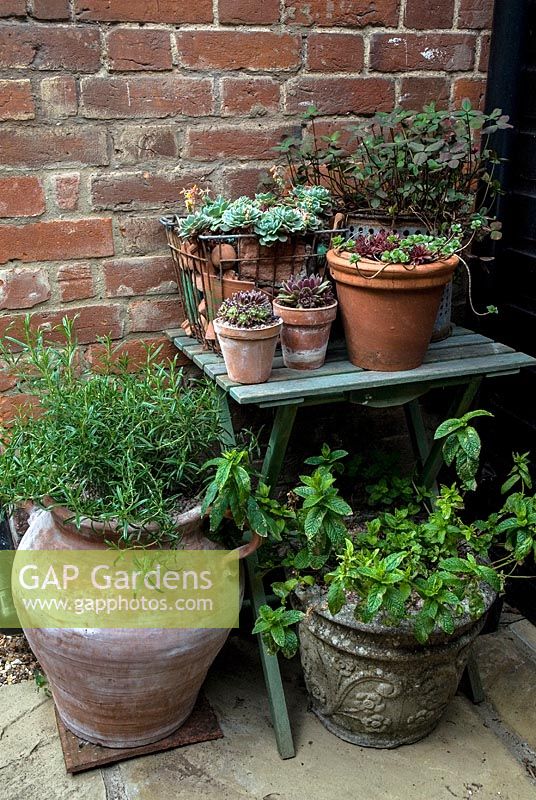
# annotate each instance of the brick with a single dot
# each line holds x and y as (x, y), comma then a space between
(146, 96)
(90, 322)
(475, 14)
(7, 380)
(248, 180)
(136, 352)
(16, 101)
(399, 52)
(335, 52)
(51, 47)
(50, 9)
(132, 49)
(135, 143)
(126, 277)
(59, 97)
(251, 50)
(154, 315)
(140, 235)
(417, 92)
(13, 8)
(432, 14)
(341, 95)
(484, 52)
(75, 282)
(244, 12)
(12, 406)
(144, 10)
(56, 240)
(21, 197)
(42, 147)
(254, 96)
(132, 191)
(474, 89)
(344, 13)
(67, 191)
(23, 288)
(207, 144)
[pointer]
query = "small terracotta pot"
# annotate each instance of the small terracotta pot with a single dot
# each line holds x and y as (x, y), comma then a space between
(248, 352)
(305, 334)
(388, 316)
(122, 687)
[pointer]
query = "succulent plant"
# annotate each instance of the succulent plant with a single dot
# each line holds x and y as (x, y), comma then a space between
(241, 213)
(247, 310)
(306, 291)
(272, 217)
(276, 223)
(391, 248)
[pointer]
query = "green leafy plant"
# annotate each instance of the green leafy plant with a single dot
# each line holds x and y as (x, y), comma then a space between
(247, 310)
(426, 163)
(413, 565)
(275, 627)
(113, 446)
(306, 291)
(231, 491)
(462, 446)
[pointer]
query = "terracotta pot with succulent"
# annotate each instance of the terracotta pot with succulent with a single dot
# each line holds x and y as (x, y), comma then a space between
(389, 289)
(407, 171)
(248, 331)
(114, 458)
(388, 607)
(307, 306)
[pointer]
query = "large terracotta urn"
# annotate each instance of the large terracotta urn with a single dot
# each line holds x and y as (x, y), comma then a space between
(388, 311)
(121, 687)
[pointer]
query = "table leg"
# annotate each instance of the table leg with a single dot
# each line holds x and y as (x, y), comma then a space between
(277, 446)
(430, 459)
(273, 461)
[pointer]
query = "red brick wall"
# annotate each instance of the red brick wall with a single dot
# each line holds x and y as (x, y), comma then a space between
(109, 107)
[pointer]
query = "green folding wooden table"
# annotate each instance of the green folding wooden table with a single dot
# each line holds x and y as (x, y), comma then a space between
(458, 363)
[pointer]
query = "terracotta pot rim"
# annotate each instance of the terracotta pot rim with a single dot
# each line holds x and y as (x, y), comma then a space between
(392, 271)
(251, 334)
(64, 516)
(305, 310)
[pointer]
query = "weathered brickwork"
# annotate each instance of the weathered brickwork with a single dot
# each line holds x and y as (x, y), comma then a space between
(108, 108)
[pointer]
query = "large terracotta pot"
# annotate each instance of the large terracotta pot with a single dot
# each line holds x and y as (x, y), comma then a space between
(375, 685)
(121, 687)
(248, 352)
(305, 334)
(388, 312)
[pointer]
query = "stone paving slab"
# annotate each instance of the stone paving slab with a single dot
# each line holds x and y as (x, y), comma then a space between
(509, 679)
(462, 759)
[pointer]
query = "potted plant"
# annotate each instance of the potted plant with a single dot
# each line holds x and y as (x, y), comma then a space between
(247, 332)
(388, 607)
(307, 306)
(407, 171)
(113, 458)
(389, 288)
(223, 246)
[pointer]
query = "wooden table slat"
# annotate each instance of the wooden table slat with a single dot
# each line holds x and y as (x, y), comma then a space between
(486, 365)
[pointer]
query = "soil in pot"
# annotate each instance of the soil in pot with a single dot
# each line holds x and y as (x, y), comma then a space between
(388, 312)
(305, 335)
(375, 685)
(248, 352)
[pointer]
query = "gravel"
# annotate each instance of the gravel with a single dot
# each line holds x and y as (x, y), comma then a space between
(17, 662)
